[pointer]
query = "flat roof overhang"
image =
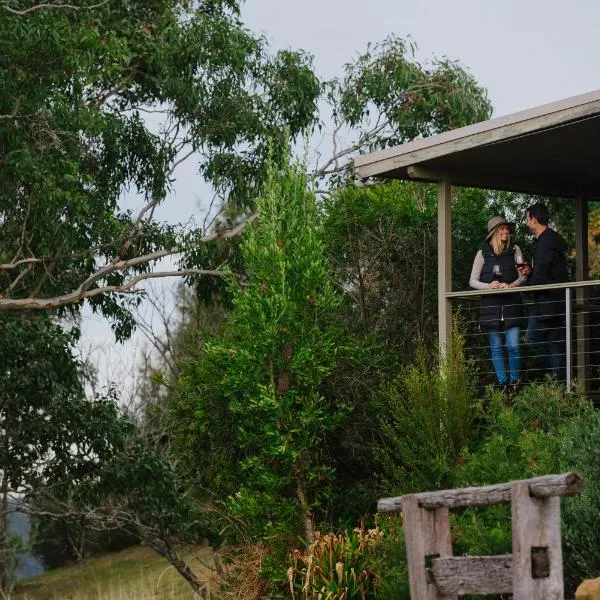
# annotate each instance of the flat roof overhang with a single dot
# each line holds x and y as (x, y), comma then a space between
(551, 150)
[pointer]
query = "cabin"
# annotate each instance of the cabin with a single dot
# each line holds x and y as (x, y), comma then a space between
(552, 150)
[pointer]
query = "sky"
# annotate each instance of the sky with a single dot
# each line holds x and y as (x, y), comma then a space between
(524, 52)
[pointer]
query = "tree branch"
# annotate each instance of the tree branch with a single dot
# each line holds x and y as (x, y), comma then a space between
(86, 289)
(45, 6)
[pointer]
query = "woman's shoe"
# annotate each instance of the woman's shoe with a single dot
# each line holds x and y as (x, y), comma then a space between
(514, 388)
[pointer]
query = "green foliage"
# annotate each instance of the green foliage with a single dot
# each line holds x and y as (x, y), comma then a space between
(426, 418)
(386, 84)
(519, 441)
(579, 451)
(382, 245)
(390, 560)
(76, 87)
(50, 431)
(336, 566)
(253, 400)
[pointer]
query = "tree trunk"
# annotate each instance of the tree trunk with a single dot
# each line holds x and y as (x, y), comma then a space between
(309, 525)
(180, 566)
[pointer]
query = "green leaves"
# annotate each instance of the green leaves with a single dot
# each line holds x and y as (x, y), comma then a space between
(78, 86)
(256, 393)
(387, 85)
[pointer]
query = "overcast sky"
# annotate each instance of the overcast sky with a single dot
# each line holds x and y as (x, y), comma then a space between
(525, 52)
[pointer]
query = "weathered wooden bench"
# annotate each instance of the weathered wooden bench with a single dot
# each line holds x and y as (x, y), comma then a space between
(532, 572)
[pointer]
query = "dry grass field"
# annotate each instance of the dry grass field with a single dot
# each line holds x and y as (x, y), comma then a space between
(137, 573)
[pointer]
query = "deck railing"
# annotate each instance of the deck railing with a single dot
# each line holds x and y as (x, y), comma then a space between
(577, 328)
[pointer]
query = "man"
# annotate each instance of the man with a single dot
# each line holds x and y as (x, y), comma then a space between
(546, 327)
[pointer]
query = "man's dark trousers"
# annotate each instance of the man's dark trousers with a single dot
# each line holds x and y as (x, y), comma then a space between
(546, 337)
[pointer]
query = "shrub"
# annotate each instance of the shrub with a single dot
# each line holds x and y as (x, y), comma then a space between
(580, 451)
(336, 567)
(426, 419)
(544, 431)
(390, 560)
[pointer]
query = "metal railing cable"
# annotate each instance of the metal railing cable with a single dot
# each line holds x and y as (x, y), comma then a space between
(576, 325)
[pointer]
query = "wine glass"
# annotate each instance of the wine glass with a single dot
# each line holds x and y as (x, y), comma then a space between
(497, 272)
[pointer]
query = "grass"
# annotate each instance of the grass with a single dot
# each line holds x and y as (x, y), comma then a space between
(136, 573)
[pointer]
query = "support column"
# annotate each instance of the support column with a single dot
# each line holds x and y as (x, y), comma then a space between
(444, 262)
(582, 294)
(537, 550)
(427, 535)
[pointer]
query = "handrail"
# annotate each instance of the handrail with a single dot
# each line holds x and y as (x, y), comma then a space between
(534, 570)
(524, 289)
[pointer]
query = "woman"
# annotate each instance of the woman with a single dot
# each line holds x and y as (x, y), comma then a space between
(495, 267)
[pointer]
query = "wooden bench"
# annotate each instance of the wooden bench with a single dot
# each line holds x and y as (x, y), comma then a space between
(532, 572)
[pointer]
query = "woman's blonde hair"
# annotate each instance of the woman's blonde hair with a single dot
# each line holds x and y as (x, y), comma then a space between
(496, 243)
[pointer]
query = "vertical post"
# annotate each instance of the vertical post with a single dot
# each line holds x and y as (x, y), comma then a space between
(427, 535)
(582, 294)
(568, 356)
(444, 262)
(537, 552)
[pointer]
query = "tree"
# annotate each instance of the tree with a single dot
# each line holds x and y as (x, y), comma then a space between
(77, 83)
(136, 490)
(50, 433)
(381, 242)
(386, 98)
(251, 409)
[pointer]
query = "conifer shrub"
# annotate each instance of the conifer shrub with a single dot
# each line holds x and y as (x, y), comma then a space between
(426, 421)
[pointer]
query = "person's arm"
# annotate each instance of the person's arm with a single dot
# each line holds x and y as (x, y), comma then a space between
(544, 257)
(475, 279)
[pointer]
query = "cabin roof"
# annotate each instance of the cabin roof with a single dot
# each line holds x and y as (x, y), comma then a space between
(553, 149)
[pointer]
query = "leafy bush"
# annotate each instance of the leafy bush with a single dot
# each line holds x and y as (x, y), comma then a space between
(426, 419)
(390, 560)
(521, 441)
(580, 452)
(336, 567)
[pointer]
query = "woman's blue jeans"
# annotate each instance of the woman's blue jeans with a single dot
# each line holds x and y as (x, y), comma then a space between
(497, 340)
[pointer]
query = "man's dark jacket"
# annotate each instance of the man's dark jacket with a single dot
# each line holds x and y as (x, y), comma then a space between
(549, 265)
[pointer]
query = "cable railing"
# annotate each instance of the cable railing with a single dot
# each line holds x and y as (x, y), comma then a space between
(564, 343)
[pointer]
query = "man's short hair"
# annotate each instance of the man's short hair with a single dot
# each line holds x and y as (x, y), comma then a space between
(539, 212)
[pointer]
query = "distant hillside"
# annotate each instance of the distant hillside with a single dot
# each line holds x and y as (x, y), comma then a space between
(20, 525)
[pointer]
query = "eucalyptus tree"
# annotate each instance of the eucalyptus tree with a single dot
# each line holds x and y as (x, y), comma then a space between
(50, 434)
(84, 85)
(386, 97)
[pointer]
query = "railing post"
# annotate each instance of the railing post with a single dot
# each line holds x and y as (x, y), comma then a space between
(581, 294)
(427, 535)
(444, 263)
(568, 319)
(537, 552)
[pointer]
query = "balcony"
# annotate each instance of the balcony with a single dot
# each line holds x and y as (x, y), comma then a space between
(578, 328)
(548, 150)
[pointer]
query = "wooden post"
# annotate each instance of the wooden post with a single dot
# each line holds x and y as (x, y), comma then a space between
(427, 535)
(444, 262)
(582, 294)
(537, 552)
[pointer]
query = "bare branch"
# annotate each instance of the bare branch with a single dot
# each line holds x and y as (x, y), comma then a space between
(86, 289)
(334, 160)
(47, 6)
(79, 294)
